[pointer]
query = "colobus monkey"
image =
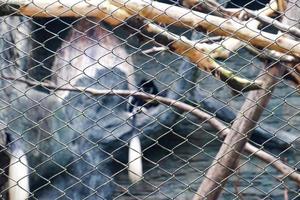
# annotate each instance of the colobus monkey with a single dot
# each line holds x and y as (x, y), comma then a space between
(18, 173)
(136, 105)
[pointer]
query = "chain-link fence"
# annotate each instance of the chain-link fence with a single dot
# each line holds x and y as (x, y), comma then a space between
(130, 99)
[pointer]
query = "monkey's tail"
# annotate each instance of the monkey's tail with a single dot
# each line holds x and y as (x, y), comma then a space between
(135, 166)
(18, 172)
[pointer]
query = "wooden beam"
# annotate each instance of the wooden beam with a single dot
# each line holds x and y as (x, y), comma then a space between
(152, 10)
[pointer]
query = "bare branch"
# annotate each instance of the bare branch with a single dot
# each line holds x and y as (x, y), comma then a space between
(211, 39)
(201, 115)
(272, 55)
(126, 93)
(180, 45)
(65, 8)
(163, 48)
(227, 158)
(286, 170)
(195, 52)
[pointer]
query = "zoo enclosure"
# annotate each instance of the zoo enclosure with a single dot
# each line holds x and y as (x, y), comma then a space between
(209, 89)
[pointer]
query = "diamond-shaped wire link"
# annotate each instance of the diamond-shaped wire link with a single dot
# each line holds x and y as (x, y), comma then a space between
(82, 79)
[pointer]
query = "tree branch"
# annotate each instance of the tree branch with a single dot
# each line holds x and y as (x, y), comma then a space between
(272, 55)
(195, 52)
(168, 14)
(126, 93)
(155, 50)
(230, 44)
(180, 45)
(227, 158)
(223, 130)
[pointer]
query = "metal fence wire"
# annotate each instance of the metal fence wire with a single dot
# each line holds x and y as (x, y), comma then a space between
(142, 99)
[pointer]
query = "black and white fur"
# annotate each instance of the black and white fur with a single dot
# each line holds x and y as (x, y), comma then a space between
(136, 105)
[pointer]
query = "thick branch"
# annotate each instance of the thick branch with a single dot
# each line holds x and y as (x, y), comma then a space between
(227, 158)
(159, 12)
(64, 8)
(168, 14)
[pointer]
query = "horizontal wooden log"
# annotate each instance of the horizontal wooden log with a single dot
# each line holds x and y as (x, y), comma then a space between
(168, 14)
(152, 10)
(65, 8)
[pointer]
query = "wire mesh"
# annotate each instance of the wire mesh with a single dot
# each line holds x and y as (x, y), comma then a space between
(115, 99)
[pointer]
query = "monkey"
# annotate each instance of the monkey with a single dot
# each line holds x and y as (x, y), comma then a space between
(52, 135)
(76, 133)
